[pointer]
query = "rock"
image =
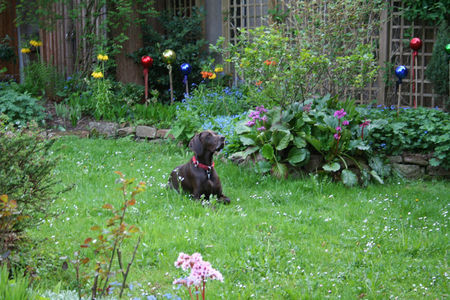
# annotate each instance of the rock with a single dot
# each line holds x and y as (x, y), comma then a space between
(126, 131)
(315, 162)
(146, 132)
(416, 159)
(104, 128)
(161, 133)
(408, 171)
(438, 171)
(395, 159)
(79, 133)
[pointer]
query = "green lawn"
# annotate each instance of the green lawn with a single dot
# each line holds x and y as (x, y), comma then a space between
(291, 239)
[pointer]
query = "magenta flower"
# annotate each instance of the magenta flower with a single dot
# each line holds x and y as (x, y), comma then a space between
(307, 107)
(365, 123)
(340, 113)
(262, 128)
(337, 136)
(264, 118)
(345, 122)
(338, 128)
(250, 123)
(261, 109)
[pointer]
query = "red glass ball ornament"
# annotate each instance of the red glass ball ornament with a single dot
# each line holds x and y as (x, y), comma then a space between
(415, 44)
(146, 61)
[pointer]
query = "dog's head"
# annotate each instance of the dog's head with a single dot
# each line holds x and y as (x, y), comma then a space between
(206, 141)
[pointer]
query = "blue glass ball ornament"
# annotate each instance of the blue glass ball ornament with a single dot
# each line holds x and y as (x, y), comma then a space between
(401, 72)
(186, 69)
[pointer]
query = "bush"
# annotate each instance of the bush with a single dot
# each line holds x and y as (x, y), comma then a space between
(420, 130)
(19, 107)
(43, 80)
(182, 35)
(26, 172)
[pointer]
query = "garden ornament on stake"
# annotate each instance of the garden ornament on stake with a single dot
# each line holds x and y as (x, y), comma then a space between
(401, 72)
(447, 49)
(169, 57)
(186, 69)
(146, 62)
(415, 44)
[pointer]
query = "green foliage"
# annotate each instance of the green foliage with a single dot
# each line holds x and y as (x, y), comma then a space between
(26, 172)
(7, 53)
(437, 70)
(15, 288)
(318, 126)
(182, 35)
(322, 49)
(42, 79)
(427, 10)
(19, 107)
(158, 114)
(185, 126)
(216, 101)
(420, 130)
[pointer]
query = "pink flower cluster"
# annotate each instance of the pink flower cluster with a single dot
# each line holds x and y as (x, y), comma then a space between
(340, 114)
(201, 270)
(256, 116)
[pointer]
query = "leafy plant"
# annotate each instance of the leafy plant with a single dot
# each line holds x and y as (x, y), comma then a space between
(16, 288)
(185, 126)
(108, 244)
(20, 107)
(155, 113)
(7, 53)
(420, 130)
(42, 79)
(26, 176)
(427, 10)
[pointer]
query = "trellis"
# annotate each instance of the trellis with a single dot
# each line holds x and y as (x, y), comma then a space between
(392, 38)
(400, 33)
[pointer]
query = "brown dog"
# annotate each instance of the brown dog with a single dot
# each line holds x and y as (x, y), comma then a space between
(198, 177)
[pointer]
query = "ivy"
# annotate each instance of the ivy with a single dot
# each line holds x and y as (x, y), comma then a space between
(426, 10)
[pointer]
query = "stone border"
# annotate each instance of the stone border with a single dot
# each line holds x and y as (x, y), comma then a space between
(414, 165)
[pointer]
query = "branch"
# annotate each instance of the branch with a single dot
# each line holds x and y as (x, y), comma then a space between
(125, 275)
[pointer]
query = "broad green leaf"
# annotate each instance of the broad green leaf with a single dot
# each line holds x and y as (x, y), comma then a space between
(332, 167)
(177, 131)
(281, 139)
(349, 178)
(434, 162)
(297, 155)
(299, 142)
(242, 128)
(376, 177)
(247, 141)
(267, 151)
(314, 142)
(264, 166)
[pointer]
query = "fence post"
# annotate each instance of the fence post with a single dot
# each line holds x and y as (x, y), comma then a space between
(383, 57)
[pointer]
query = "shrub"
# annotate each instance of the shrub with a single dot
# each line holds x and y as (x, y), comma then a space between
(43, 80)
(26, 172)
(182, 35)
(19, 107)
(420, 130)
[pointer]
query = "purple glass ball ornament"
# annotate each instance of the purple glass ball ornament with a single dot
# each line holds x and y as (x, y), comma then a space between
(401, 72)
(186, 69)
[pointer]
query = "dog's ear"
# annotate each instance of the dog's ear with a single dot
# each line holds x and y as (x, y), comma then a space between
(196, 144)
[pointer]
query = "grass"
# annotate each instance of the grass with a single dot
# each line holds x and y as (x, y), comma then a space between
(293, 239)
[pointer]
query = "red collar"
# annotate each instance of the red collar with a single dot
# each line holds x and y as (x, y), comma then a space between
(203, 166)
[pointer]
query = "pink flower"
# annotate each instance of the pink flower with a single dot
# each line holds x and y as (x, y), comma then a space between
(262, 128)
(307, 107)
(250, 123)
(254, 115)
(338, 128)
(261, 109)
(340, 113)
(264, 118)
(365, 123)
(345, 122)
(337, 136)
